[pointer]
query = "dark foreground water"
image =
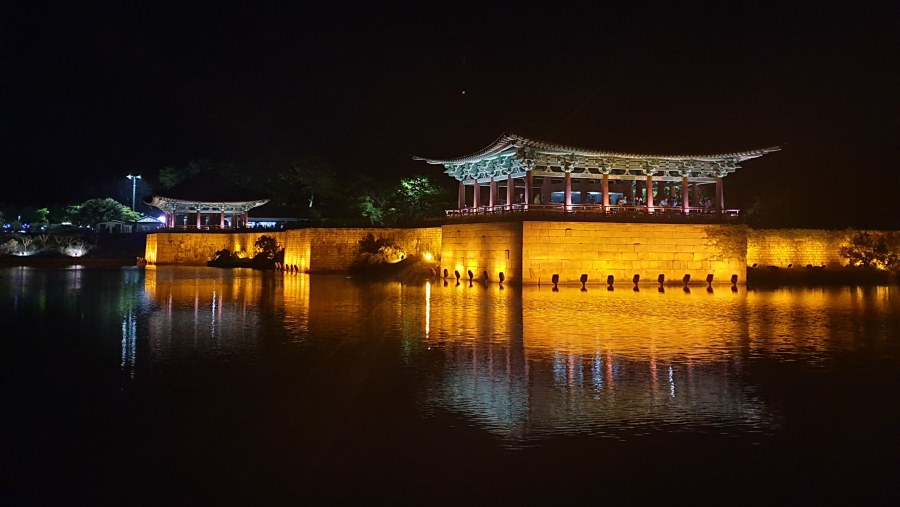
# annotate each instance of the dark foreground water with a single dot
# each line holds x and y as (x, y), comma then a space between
(186, 386)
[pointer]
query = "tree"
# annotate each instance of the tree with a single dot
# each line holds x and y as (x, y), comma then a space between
(94, 211)
(870, 251)
(267, 246)
(311, 178)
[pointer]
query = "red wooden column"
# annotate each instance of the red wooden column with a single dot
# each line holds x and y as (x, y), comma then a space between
(720, 194)
(529, 184)
(198, 219)
(568, 192)
(221, 220)
(493, 197)
(461, 202)
(605, 191)
(477, 196)
(510, 187)
(684, 195)
(649, 193)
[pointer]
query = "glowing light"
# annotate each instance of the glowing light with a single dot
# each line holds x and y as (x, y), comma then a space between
(428, 256)
(427, 308)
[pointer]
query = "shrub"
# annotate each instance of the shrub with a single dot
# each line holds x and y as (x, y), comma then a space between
(870, 251)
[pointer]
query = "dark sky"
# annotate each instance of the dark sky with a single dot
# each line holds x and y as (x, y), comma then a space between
(92, 92)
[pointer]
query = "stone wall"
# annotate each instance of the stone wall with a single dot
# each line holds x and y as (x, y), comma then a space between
(335, 250)
(600, 249)
(492, 247)
(197, 248)
(532, 252)
(802, 247)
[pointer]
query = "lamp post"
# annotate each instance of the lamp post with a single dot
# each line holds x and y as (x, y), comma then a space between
(133, 178)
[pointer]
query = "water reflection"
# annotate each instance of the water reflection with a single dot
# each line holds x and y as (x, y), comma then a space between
(215, 312)
(520, 363)
(537, 361)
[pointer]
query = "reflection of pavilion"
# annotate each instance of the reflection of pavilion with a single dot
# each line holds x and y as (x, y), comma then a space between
(573, 371)
(538, 176)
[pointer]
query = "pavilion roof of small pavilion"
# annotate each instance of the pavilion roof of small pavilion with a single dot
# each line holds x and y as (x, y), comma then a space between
(207, 194)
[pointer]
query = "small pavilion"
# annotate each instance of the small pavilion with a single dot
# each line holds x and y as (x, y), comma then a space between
(525, 174)
(206, 203)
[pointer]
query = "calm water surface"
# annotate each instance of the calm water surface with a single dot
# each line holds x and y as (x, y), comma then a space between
(186, 385)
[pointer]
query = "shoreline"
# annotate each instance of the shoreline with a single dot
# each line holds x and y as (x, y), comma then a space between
(62, 262)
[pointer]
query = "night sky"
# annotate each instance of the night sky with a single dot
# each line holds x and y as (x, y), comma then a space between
(91, 92)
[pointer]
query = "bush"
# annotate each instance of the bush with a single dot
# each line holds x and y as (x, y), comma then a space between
(870, 251)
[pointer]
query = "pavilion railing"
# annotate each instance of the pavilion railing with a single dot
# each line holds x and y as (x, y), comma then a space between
(591, 208)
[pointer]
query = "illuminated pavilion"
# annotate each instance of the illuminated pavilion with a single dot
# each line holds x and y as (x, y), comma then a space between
(525, 174)
(206, 204)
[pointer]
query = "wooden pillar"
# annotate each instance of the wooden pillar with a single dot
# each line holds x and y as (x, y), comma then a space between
(583, 191)
(476, 191)
(684, 194)
(461, 202)
(720, 194)
(605, 192)
(198, 219)
(510, 191)
(568, 192)
(649, 194)
(493, 197)
(221, 219)
(546, 191)
(529, 184)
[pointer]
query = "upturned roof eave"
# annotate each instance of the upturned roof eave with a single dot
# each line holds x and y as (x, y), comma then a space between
(509, 143)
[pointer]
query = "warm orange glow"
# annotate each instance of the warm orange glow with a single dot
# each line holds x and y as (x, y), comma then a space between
(428, 256)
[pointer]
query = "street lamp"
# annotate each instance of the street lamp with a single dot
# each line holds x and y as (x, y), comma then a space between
(133, 178)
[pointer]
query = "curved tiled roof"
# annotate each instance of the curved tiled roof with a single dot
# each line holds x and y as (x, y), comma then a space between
(510, 143)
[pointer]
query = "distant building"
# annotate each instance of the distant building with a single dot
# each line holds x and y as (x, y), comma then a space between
(206, 203)
(147, 224)
(115, 227)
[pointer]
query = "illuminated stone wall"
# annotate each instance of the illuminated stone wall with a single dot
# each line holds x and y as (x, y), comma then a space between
(334, 250)
(600, 249)
(780, 247)
(492, 247)
(197, 248)
(532, 252)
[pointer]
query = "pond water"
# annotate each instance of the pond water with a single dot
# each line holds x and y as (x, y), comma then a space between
(177, 385)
